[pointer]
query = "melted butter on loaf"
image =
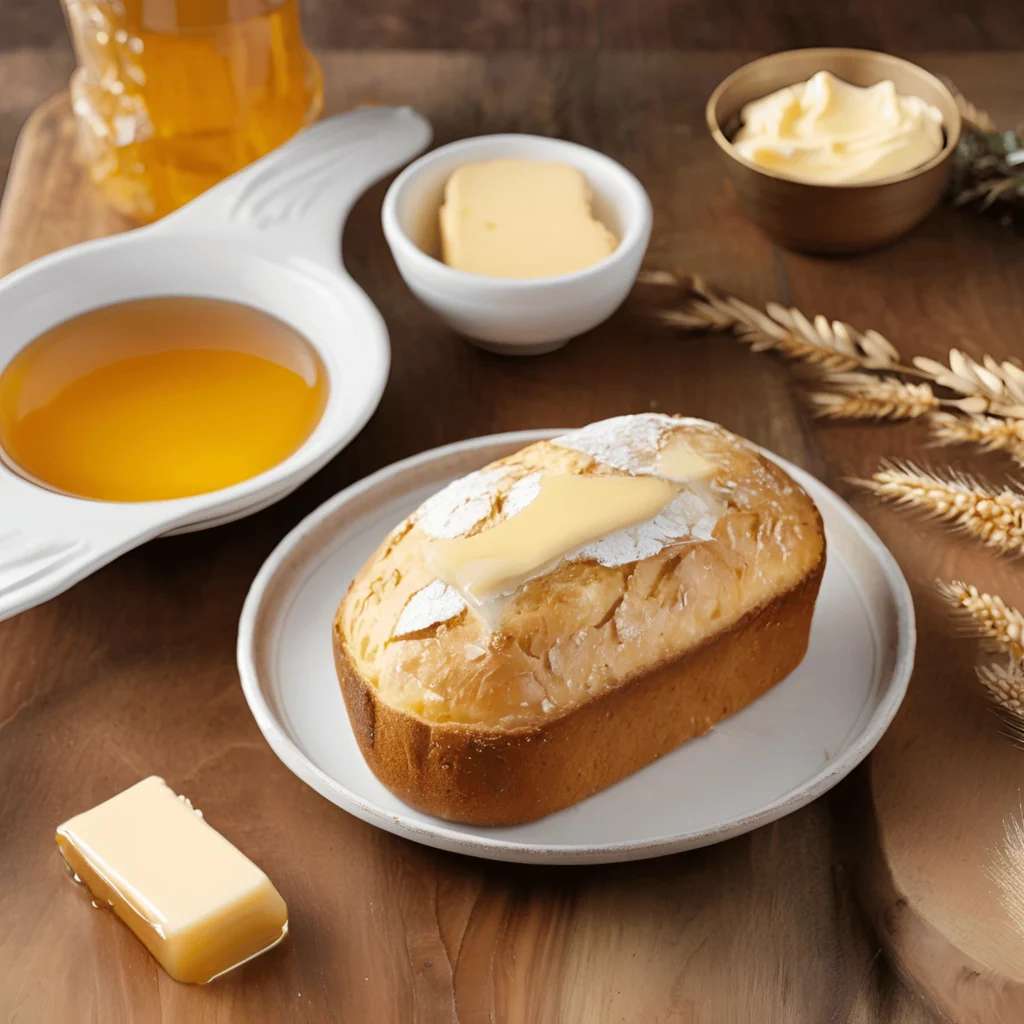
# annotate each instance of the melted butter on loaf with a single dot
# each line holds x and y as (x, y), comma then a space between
(678, 461)
(584, 627)
(567, 512)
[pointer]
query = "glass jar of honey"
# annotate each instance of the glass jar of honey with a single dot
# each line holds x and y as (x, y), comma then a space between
(171, 96)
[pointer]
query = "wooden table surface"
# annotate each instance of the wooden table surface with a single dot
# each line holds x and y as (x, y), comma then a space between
(132, 671)
(608, 24)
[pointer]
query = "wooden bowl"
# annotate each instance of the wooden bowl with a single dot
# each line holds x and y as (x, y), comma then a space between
(832, 218)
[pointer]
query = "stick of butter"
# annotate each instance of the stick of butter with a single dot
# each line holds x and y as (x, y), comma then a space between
(197, 903)
(520, 218)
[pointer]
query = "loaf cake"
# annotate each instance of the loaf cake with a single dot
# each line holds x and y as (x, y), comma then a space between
(545, 626)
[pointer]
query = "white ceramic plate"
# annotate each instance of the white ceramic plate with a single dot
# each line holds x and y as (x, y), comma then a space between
(776, 755)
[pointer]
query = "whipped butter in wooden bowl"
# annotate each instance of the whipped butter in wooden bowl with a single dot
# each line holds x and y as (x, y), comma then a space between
(828, 132)
(835, 150)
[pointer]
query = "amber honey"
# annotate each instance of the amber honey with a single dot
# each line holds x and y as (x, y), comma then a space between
(159, 398)
(171, 96)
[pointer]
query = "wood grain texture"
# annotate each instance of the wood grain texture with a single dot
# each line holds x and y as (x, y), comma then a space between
(132, 671)
(613, 24)
(26, 79)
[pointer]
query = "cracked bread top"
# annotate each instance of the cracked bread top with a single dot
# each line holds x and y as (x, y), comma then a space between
(728, 543)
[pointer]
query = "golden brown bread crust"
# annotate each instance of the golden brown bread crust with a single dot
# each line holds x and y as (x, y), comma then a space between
(598, 665)
(482, 776)
(590, 623)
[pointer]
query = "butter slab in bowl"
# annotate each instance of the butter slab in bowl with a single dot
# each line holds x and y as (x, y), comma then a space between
(519, 306)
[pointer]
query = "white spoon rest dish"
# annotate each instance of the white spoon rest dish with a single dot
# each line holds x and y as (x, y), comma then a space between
(268, 237)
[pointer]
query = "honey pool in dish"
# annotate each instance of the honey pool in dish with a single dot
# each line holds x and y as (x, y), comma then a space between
(159, 398)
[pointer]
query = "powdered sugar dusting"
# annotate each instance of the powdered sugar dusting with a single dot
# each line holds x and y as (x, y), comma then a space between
(626, 443)
(705, 525)
(685, 516)
(457, 508)
(434, 604)
(521, 493)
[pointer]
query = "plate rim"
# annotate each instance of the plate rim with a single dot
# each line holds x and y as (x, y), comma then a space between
(449, 835)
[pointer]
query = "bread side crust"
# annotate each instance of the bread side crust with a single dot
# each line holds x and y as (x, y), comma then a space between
(482, 776)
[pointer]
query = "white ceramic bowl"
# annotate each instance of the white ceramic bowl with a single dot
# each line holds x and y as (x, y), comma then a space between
(516, 317)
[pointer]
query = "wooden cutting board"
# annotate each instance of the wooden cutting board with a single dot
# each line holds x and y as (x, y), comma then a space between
(132, 671)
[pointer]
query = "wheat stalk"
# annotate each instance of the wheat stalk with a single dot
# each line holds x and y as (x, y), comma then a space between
(987, 387)
(986, 615)
(829, 345)
(989, 432)
(1004, 681)
(996, 518)
(859, 396)
(657, 277)
(835, 347)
